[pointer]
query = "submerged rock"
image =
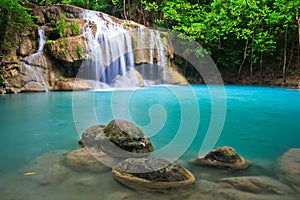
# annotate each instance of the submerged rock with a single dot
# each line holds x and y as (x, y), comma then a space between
(255, 184)
(151, 173)
(124, 139)
(289, 167)
(83, 160)
(225, 157)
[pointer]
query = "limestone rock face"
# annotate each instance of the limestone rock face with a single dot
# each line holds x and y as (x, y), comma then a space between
(126, 136)
(174, 78)
(69, 49)
(289, 167)
(151, 173)
(70, 84)
(224, 157)
(27, 46)
(33, 75)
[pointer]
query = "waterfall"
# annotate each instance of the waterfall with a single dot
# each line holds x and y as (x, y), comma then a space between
(32, 67)
(42, 39)
(153, 67)
(113, 50)
(109, 48)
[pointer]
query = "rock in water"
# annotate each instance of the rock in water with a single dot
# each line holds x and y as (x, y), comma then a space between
(289, 167)
(83, 160)
(93, 136)
(125, 140)
(151, 173)
(225, 157)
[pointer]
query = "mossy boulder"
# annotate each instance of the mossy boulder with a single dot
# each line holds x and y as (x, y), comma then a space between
(151, 173)
(224, 157)
(119, 138)
(93, 136)
(125, 140)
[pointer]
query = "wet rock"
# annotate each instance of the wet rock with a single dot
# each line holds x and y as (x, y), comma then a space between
(47, 169)
(70, 84)
(69, 49)
(93, 136)
(124, 139)
(151, 173)
(84, 160)
(289, 167)
(132, 79)
(255, 184)
(224, 157)
(117, 195)
(174, 77)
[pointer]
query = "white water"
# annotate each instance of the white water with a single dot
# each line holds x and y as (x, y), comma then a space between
(152, 70)
(32, 67)
(110, 49)
(42, 40)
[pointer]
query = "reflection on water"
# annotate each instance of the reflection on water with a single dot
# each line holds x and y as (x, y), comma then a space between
(37, 131)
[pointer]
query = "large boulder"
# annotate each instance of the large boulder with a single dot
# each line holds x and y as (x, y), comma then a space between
(125, 140)
(151, 173)
(288, 166)
(119, 138)
(68, 49)
(223, 157)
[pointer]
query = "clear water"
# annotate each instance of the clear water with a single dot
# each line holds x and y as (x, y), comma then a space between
(37, 129)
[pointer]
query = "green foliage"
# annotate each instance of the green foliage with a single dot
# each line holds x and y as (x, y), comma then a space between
(61, 27)
(14, 19)
(80, 51)
(74, 28)
(49, 42)
(224, 27)
(2, 81)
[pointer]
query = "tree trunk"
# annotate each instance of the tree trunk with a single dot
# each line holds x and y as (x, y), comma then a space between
(298, 41)
(86, 4)
(261, 67)
(284, 55)
(245, 56)
(251, 64)
(124, 9)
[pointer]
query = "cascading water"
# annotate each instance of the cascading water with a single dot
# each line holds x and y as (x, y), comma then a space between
(111, 51)
(109, 47)
(152, 70)
(32, 67)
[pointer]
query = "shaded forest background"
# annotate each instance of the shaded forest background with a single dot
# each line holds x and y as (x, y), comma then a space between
(252, 42)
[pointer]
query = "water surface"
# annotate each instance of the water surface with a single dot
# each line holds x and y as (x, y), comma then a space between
(38, 129)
